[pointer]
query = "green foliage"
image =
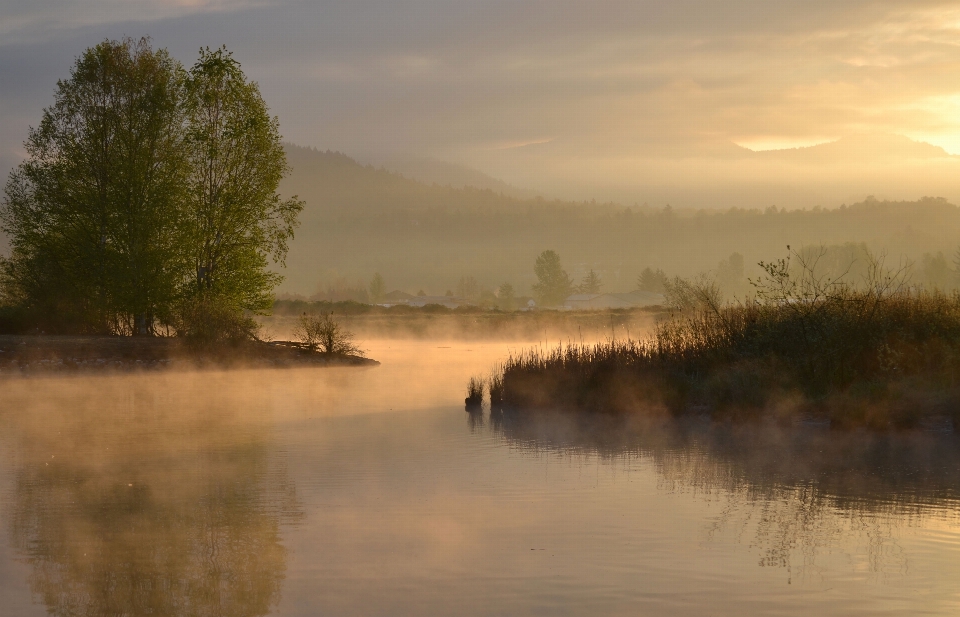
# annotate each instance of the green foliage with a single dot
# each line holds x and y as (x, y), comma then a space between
(237, 161)
(95, 213)
(205, 320)
(553, 283)
(148, 191)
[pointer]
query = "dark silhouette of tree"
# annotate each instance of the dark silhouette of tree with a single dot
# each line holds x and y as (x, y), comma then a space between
(652, 280)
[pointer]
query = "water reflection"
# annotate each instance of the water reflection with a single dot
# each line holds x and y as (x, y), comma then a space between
(139, 504)
(796, 494)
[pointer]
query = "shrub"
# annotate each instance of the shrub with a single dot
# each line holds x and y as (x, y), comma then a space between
(322, 333)
(206, 320)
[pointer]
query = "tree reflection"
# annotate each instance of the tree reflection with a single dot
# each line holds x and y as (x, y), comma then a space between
(798, 492)
(145, 512)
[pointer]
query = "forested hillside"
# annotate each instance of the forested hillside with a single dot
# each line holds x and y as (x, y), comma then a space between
(360, 220)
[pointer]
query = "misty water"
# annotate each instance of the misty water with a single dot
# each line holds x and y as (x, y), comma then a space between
(369, 491)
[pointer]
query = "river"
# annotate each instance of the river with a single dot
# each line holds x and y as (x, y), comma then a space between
(369, 491)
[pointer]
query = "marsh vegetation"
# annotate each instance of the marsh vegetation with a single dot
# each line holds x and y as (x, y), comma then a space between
(877, 352)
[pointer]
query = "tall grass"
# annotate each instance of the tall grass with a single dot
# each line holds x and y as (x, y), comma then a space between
(877, 353)
(474, 399)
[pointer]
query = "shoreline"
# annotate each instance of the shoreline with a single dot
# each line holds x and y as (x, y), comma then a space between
(23, 355)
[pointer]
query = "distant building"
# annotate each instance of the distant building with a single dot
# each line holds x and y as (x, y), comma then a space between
(395, 297)
(447, 301)
(633, 299)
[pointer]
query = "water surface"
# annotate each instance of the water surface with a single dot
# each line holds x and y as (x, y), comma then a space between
(370, 492)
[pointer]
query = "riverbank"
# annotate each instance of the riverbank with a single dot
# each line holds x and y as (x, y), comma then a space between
(40, 354)
(874, 359)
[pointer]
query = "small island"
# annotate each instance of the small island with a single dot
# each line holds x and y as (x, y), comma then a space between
(44, 355)
(145, 223)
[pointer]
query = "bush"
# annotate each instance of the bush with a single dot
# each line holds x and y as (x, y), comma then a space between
(322, 333)
(206, 320)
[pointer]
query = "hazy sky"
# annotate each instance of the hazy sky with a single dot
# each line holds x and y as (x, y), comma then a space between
(526, 83)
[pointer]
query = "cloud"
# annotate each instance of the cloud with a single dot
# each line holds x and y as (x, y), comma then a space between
(604, 80)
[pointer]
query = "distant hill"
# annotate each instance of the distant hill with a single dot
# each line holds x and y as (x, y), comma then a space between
(433, 171)
(360, 220)
(859, 150)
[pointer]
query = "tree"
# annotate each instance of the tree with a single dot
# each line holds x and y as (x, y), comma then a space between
(652, 280)
(506, 297)
(377, 288)
(237, 162)
(95, 213)
(323, 333)
(553, 283)
(148, 199)
(730, 275)
(468, 288)
(591, 283)
(935, 272)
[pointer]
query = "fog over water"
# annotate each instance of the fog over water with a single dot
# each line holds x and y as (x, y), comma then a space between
(371, 491)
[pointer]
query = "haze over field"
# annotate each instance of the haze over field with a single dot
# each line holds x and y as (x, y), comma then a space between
(690, 103)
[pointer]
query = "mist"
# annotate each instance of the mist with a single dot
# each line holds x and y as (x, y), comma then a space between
(420, 307)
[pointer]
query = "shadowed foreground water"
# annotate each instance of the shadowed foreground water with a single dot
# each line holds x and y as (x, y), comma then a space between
(370, 492)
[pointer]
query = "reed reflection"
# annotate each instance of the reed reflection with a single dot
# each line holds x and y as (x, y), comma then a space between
(795, 493)
(147, 507)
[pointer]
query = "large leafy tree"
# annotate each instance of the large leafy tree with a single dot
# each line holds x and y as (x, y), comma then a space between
(237, 161)
(553, 283)
(148, 198)
(94, 212)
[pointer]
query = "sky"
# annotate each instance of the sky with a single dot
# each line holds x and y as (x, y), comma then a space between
(582, 99)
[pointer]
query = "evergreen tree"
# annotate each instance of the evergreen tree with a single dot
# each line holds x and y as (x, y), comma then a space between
(591, 283)
(653, 280)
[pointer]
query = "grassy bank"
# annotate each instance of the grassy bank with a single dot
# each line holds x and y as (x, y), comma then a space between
(880, 355)
(28, 355)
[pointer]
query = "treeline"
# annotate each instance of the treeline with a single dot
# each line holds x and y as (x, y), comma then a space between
(147, 203)
(359, 220)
